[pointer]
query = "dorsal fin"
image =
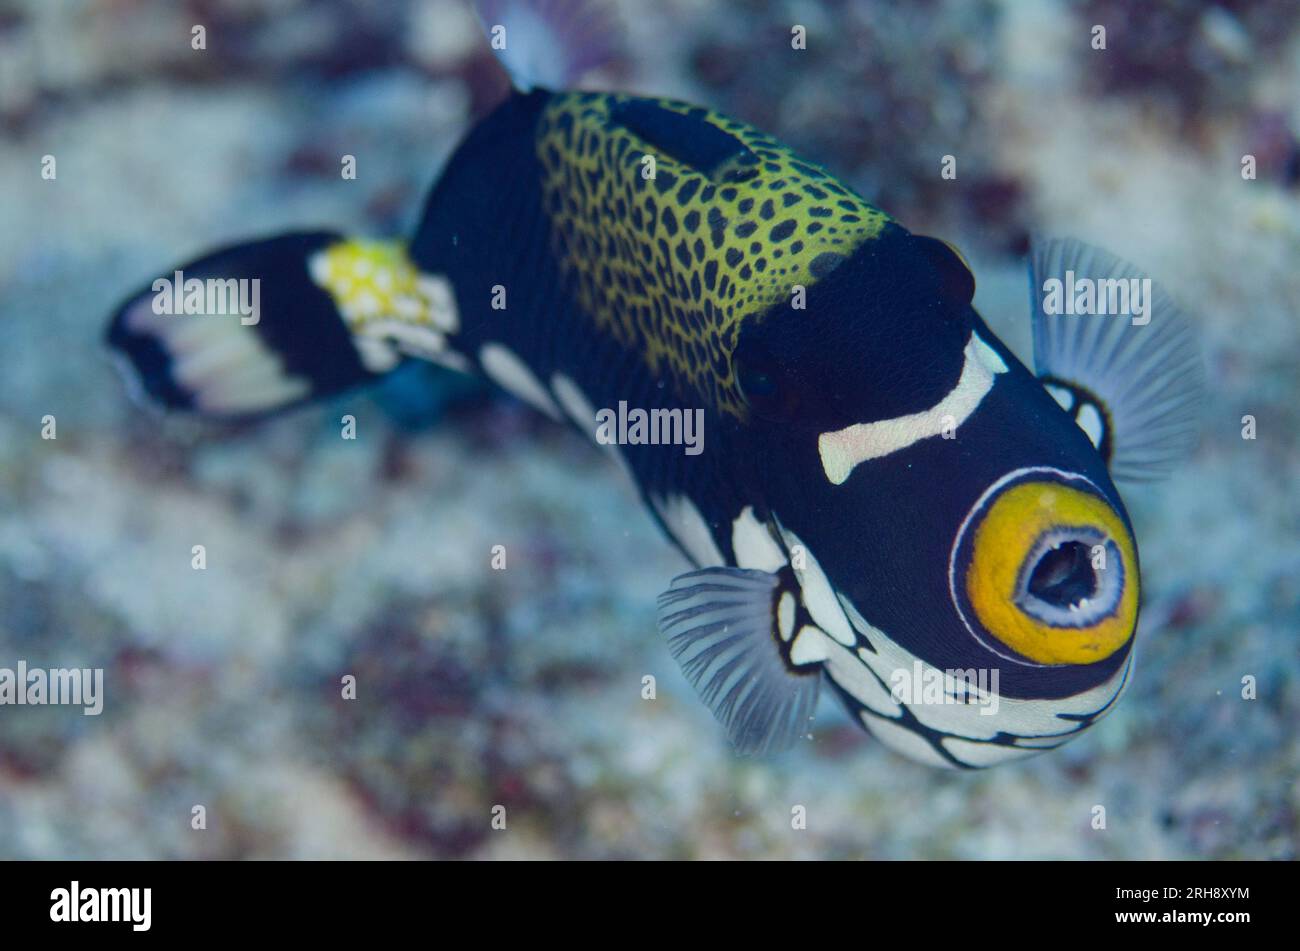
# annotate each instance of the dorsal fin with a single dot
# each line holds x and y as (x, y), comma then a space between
(550, 43)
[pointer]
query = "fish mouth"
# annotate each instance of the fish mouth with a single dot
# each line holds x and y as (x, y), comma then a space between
(1062, 584)
(1044, 570)
(1063, 576)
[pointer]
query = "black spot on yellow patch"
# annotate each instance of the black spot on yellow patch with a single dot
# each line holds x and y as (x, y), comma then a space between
(630, 245)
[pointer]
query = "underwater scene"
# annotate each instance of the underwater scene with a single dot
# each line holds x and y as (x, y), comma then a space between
(674, 430)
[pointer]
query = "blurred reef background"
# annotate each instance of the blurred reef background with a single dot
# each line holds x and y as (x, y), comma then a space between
(371, 558)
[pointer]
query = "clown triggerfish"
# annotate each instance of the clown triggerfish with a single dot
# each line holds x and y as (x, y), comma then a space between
(883, 498)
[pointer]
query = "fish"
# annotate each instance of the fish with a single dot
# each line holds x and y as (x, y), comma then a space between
(883, 502)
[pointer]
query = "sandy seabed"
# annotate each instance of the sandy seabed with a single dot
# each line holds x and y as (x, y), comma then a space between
(370, 557)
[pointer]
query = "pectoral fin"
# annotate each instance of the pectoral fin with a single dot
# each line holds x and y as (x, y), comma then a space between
(1132, 380)
(730, 630)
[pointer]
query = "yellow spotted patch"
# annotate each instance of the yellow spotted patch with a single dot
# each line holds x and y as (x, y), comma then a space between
(1004, 539)
(376, 281)
(672, 265)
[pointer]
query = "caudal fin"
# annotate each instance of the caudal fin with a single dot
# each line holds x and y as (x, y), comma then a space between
(259, 327)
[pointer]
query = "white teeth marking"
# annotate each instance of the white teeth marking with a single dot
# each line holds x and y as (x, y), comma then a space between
(754, 545)
(819, 596)
(843, 450)
(512, 375)
(690, 529)
(1090, 422)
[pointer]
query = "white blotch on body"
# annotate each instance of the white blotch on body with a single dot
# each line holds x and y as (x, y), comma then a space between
(513, 375)
(851, 673)
(844, 449)
(1062, 396)
(983, 754)
(579, 409)
(754, 545)
(785, 610)
(382, 342)
(1016, 717)
(818, 595)
(809, 646)
(900, 738)
(575, 404)
(1090, 422)
(442, 302)
(688, 527)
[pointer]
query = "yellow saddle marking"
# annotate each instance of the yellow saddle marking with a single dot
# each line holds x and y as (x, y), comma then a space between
(376, 280)
(391, 307)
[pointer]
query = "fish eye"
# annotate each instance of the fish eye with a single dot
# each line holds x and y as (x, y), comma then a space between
(757, 384)
(1046, 567)
(767, 393)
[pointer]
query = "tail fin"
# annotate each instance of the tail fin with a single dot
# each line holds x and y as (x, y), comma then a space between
(259, 327)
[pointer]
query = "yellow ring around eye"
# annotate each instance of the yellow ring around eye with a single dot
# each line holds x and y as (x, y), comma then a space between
(1004, 539)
